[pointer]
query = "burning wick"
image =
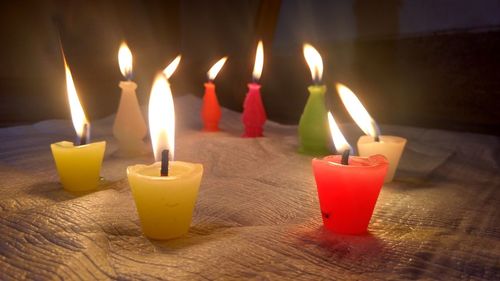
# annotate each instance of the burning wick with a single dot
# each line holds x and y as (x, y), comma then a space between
(377, 138)
(345, 157)
(83, 139)
(164, 163)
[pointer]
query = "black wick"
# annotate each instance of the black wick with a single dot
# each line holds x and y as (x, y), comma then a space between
(377, 138)
(345, 157)
(83, 139)
(164, 163)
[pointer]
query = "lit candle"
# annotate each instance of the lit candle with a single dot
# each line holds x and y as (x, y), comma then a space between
(129, 128)
(78, 165)
(164, 192)
(348, 187)
(210, 110)
(313, 126)
(373, 143)
(254, 114)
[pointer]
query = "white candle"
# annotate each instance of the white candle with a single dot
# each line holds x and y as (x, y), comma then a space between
(373, 143)
(129, 128)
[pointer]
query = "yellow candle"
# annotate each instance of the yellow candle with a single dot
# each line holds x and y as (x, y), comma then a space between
(389, 146)
(129, 127)
(165, 204)
(78, 166)
(164, 192)
(373, 143)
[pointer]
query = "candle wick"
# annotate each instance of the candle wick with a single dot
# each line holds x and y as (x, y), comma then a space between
(164, 163)
(345, 157)
(377, 138)
(84, 137)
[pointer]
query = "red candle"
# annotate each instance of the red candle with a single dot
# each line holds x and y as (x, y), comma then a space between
(210, 110)
(348, 187)
(254, 114)
(348, 193)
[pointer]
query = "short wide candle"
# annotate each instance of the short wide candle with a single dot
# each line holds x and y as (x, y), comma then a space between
(165, 204)
(389, 146)
(78, 166)
(348, 193)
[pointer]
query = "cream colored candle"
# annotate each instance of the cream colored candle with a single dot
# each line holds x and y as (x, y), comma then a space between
(78, 166)
(373, 143)
(389, 146)
(129, 128)
(165, 204)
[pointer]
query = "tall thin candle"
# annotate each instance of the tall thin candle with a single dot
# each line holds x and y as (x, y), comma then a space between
(210, 110)
(313, 126)
(254, 114)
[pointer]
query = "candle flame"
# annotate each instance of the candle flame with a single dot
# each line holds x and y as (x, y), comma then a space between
(214, 70)
(259, 61)
(170, 69)
(338, 138)
(77, 114)
(357, 111)
(161, 117)
(313, 59)
(125, 60)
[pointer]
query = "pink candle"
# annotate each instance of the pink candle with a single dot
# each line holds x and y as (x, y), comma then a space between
(254, 114)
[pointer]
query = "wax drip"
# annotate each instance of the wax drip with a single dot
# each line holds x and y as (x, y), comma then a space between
(345, 157)
(164, 163)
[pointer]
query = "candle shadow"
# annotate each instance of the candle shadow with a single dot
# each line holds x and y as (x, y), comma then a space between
(196, 236)
(352, 247)
(54, 190)
(50, 190)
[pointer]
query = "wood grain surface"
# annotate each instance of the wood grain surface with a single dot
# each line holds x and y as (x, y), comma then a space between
(257, 215)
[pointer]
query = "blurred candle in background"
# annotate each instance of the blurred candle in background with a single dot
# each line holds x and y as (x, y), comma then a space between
(129, 128)
(313, 127)
(79, 164)
(373, 143)
(254, 114)
(210, 110)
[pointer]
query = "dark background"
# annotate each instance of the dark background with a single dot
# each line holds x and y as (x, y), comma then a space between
(412, 62)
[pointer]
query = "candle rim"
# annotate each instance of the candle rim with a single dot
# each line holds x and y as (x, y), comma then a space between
(373, 161)
(193, 169)
(389, 139)
(69, 144)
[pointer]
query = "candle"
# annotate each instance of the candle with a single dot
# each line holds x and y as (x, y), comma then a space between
(254, 114)
(373, 143)
(210, 110)
(348, 187)
(164, 192)
(129, 128)
(78, 165)
(313, 127)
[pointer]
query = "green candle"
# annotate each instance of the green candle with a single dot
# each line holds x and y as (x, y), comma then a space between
(313, 125)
